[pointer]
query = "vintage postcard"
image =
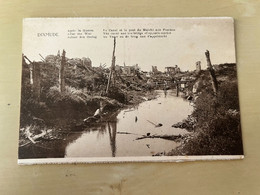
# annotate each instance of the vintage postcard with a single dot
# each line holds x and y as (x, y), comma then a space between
(129, 90)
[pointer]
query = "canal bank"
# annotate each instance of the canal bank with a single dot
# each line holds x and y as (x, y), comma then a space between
(217, 127)
(119, 134)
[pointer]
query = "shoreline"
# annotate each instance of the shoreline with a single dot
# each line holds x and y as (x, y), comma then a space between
(56, 134)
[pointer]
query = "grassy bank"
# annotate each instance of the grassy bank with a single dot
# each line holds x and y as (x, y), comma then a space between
(53, 112)
(217, 130)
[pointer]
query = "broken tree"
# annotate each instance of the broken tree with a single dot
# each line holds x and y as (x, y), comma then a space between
(35, 77)
(30, 68)
(61, 73)
(177, 89)
(212, 73)
(112, 70)
(36, 80)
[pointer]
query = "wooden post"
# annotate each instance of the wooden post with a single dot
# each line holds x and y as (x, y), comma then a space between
(61, 75)
(112, 66)
(212, 73)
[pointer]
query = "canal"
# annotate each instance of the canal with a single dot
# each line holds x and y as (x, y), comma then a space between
(117, 137)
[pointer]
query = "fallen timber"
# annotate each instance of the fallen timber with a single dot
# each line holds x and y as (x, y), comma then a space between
(177, 138)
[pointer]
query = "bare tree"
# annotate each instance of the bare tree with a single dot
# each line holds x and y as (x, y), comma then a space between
(36, 77)
(62, 70)
(212, 73)
(112, 70)
(30, 68)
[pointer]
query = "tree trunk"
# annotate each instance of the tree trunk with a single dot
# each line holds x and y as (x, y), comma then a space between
(36, 77)
(31, 73)
(112, 67)
(177, 89)
(62, 70)
(30, 68)
(212, 73)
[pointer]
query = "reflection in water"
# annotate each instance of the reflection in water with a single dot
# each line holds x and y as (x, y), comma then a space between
(101, 131)
(165, 92)
(117, 136)
(112, 136)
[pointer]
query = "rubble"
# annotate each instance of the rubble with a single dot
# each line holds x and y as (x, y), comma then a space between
(188, 124)
(29, 135)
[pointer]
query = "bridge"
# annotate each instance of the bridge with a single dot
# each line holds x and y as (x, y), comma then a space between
(179, 85)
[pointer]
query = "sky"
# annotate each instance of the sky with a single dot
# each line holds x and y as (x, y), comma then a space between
(183, 47)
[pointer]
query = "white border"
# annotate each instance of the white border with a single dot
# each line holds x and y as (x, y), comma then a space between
(126, 159)
(131, 18)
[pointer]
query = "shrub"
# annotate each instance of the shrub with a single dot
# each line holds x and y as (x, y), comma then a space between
(218, 130)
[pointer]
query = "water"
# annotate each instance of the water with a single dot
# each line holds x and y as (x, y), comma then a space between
(108, 139)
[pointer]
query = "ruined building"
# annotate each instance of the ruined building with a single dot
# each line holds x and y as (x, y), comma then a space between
(198, 66)
(177, 69)
(127, 70)
(170, 70)
(154, 70)
(118, 69)
(86, 62)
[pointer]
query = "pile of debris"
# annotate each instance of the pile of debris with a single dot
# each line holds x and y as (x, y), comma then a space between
(188, 124)
(31, 135)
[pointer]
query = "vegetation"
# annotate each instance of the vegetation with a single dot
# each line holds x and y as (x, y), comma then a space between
(215, 120)
(217, 130)
(85, 87)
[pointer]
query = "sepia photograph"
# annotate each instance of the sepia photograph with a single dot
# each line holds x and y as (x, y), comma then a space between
(129, 90)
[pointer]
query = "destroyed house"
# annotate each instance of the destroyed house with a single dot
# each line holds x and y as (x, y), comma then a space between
(154, 70)
(198, 66)
(170, 70)
(127, 70)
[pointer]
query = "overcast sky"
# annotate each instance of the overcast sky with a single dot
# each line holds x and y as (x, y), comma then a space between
(186, 45)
